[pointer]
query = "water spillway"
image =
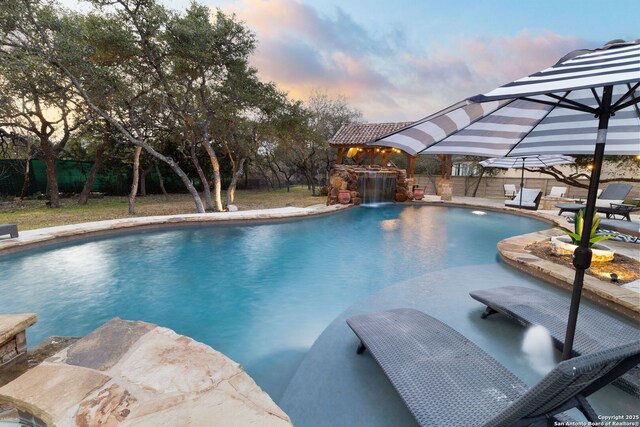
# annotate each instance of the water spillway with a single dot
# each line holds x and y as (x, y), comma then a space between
(376, 186)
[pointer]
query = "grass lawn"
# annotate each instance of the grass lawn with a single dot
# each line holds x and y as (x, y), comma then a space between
(30, 214)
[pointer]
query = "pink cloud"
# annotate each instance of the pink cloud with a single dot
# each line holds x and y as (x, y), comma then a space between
(302, 50)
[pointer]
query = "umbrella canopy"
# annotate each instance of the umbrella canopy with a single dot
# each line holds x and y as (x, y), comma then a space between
(526, 162)
(554, 111)
(522, 127)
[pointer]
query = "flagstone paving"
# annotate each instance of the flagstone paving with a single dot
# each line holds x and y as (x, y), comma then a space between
(136, 373)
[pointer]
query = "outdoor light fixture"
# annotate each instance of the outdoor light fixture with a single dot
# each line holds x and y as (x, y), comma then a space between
(478, 212)
(590, 167)
(614, 278)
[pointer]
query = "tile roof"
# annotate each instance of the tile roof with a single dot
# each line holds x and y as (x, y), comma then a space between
(360, 134)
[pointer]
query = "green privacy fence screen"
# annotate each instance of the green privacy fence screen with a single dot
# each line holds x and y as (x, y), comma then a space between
(113, 179)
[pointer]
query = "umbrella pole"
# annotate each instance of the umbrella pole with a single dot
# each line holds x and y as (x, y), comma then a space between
(582, 254)
(521, 182)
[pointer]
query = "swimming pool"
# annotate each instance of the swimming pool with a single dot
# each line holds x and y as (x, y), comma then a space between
(260, 293)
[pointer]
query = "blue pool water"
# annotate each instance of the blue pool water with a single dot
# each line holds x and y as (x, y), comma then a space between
(260, 293)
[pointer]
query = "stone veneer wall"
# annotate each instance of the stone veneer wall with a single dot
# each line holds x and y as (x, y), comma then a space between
(345, 177)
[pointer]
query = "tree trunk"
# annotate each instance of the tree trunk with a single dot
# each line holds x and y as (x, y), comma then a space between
(134, 181)
(267, 180)
(27, 175)
(164, 190)
(275, 173)
(217, 182)
(203, 178)
(475, 190)
(138, 143)
(231, 191)
(52, 175)
(143, 180)
(97, 164)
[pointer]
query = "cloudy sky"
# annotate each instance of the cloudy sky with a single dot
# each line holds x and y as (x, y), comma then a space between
(400, 60)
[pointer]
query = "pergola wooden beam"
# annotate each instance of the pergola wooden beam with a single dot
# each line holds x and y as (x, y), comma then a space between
(383, 153)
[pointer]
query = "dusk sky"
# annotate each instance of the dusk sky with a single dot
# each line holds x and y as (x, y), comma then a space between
(402, 60)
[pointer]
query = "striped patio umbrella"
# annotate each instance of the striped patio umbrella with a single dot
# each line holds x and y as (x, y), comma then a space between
(587, 103)
(523, 162)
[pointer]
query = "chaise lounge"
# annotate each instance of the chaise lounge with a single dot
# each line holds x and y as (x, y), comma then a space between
(530, 199)
(446, 380)
(558, 192)
(595, 329)
(614, 193)
(509, 190)
(10, 229)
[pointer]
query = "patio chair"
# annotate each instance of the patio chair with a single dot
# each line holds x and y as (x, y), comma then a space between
(530, 199)
(558, 192)
(614, 193)
(10, 229)
(446, 380)
(509, 190)
(595, 331)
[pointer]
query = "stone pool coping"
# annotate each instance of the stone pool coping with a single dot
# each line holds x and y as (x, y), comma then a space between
(624, 300)
(52, 235)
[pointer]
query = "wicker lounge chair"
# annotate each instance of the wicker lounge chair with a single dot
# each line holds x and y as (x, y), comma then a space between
(530, 199)
(595, 330)
(10, 229)
(446, 380)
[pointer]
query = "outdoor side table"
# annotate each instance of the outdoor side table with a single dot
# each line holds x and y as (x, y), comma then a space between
(569, 207)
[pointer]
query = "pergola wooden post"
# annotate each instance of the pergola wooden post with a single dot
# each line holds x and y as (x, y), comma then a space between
(411, 162)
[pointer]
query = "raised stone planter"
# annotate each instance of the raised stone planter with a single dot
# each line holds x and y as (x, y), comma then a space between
(562, 246)
(13, 341)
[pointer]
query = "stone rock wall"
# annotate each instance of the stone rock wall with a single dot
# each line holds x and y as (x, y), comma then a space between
(404, 186)
(342, 177)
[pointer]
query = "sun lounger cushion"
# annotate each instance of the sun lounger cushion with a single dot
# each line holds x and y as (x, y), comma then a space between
(614, 193)
(595, 330)
(530, 199)
(621, 226)
(558, 191)
(509, 190)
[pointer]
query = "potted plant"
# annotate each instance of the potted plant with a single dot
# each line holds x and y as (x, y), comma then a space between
(566, 245)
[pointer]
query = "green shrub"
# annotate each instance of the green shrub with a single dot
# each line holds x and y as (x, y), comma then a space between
(576, 234)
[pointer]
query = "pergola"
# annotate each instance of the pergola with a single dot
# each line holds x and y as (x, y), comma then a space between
(352, 140)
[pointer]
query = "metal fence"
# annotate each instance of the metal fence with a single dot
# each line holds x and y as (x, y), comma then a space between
(72, 175)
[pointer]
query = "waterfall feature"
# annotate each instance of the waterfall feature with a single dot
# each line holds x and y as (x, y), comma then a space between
(376, 187)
